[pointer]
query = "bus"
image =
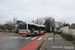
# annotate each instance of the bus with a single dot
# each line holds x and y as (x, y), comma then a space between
(26, 28)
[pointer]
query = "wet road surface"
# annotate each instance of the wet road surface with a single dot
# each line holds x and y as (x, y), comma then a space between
(12, 42)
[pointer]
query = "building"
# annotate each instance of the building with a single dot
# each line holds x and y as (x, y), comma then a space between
(72, 26)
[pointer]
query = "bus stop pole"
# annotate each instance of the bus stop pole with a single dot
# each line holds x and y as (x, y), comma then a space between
(54, 30)
(54, 37)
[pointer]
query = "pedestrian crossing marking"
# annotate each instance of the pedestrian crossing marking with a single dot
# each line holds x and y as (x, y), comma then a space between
(21, 38)
(50, 38)
(16, 37)
(39, 38)
(28, 37)
(12, 37)
(33, 38)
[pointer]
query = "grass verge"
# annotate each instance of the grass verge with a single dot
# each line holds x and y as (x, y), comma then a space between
(68, 37)
(6, 32)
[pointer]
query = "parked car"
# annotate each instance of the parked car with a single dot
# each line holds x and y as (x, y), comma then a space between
(6, 30)
(0, 29)
(12, 30)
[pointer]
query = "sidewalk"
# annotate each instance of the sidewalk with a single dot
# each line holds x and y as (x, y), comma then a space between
(59, 44)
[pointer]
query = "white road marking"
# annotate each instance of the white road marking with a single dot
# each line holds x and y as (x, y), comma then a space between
(16, 37)
(33, 38)
(27, 37)
(21, 38)
(39, 38)
(59, 36)
(50, 38)
(11, 37)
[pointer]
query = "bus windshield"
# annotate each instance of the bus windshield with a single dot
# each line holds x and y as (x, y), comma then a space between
(22, 26)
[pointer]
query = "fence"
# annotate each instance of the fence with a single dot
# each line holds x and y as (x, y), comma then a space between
(66, 30)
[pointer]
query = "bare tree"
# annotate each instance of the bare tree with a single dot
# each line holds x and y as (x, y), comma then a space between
(47, 21)
(14, 20)
(39, 21)
(8, 25)
(33, 21)
(9, 22)
(60, 24)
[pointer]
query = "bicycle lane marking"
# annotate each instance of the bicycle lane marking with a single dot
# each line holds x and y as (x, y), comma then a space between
(4, 39)
(34, 44)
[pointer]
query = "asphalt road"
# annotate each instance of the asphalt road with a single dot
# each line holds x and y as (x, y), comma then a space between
(7, 35)
(13, 42)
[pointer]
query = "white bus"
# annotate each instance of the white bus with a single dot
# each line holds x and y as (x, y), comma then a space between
(26, 28)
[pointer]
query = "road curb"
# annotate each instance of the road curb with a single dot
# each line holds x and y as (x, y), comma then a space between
(38, 48)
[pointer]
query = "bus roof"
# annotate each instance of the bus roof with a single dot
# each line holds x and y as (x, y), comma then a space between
(42, 25)
(33, 24)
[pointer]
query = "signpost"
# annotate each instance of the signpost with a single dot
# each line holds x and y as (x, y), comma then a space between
(55, 28)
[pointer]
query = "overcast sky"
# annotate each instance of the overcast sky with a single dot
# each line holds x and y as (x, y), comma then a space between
(27, 10)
